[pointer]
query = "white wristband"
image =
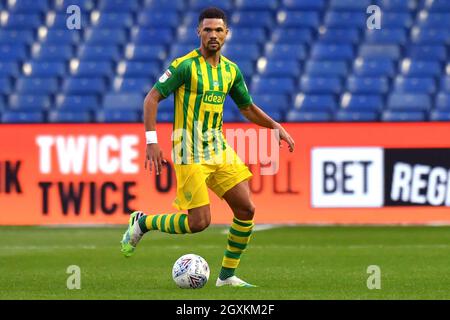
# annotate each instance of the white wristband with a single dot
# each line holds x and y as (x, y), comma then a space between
(150, 137)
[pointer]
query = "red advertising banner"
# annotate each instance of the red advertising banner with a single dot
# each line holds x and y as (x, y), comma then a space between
(94, 174)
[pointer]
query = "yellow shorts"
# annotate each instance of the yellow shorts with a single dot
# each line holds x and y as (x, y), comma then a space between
(193, 180)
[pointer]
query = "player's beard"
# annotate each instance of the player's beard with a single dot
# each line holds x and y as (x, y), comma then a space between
(214, 48)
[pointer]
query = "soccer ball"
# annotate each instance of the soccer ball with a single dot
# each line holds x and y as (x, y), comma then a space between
(190, 271)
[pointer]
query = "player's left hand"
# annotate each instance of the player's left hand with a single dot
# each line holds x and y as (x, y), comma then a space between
(286, 137)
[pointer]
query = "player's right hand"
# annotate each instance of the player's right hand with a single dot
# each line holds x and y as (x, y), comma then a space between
(154, 157)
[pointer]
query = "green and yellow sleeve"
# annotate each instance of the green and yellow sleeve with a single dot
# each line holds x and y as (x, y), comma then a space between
(239, 92)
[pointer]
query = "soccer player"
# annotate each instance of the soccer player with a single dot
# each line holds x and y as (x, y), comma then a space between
(200, 80)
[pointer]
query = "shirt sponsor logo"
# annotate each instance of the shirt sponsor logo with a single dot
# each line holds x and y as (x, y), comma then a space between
(213, 97)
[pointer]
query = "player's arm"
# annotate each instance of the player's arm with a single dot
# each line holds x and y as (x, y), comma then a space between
(254, 114)
(171, 79)
(240, 95)
(154, 155)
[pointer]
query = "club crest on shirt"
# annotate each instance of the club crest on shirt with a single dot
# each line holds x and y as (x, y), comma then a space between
(166, 75)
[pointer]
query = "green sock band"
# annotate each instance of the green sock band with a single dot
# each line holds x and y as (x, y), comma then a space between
(142, 224)
(226, 273)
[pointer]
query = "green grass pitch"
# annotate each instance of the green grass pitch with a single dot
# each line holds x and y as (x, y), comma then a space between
(285, 262)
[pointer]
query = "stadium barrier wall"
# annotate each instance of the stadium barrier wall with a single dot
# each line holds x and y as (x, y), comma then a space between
(339, 173)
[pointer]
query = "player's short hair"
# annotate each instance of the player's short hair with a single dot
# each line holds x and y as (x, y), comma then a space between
(212, 13)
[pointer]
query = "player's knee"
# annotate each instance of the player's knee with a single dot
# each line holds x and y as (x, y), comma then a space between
(246, 213)
(199, 224)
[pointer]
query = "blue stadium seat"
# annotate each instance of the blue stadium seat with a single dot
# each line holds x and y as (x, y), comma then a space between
(332, 52)
(440, 115)
(242, 51)
(402, 116)
(389, 51)
(28, 6)
(308, 116)
(138, 69)
(158, 19)
(298, 19)
(77, 102)
(85, 5)
(285, 51)
(266, 85)
(247, 68)
(27, 102)
(145, 52)
(386, 36)
(112, 20)
(132, 84)
(32, 85)
(21, 21)
(88, 69)
(361, 102)
(22, 117)
(326, 68)
(167, 104)
(164, 116)
(367, 85)
(10, 69)
(409, 102)
(229, 116)
(52, 53)
(16, 36)
(349, 5)
(115, 116)
(280, 68)
(315, 102)
(356, 116)
(292, 35)
(62, 116)
(123, 101)
(247, 36)
(256, 5)
(397, 5)
(320, 85)
(178, 5)
(373, 67)
(60, 36)
(414, 85)
(271, 101)
(349, 19)
(445, 83)
(306, 5)
(437, 6)
(5, 86)
(276, 115)
(443, 100)
(153, 36)
(397, 19)
(420, 68)
(99, 53)
(95, 36)
(252, 19)
(198, 5)
(437, 36)
(187, 35)
(434, 19)
(118, 5)
(44, 69)
(190, 19)
(339, 35)
(87, 86)
(427, 52)
(13, 52)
